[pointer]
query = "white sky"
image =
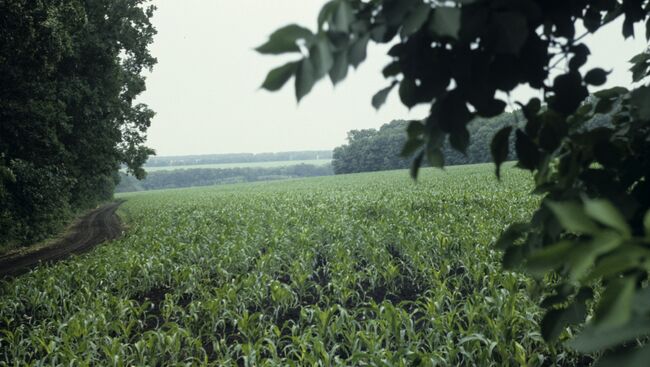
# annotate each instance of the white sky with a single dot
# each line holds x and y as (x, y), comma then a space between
(205, 87)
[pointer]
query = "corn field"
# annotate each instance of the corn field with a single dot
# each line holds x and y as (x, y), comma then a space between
(356, 270)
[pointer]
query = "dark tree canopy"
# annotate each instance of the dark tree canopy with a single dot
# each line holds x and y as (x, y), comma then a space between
(592, 229)
(378, 150)
(371, 150)
(70, 71)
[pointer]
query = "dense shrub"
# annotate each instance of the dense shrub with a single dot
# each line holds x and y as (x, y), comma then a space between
(377, 150)
(39, 200)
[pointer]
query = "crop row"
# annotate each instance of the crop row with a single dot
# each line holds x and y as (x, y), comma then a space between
(366, 269)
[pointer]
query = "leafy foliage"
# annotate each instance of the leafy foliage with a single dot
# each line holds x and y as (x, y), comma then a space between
(384, 149)
(69, 74)
(488, 46)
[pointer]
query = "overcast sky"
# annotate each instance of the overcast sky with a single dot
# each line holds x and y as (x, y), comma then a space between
(205, 88)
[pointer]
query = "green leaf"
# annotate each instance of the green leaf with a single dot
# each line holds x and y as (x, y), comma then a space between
(396, 11)
(279, 76)
(342, 16)
(450, 110)
(641, 100)
(500, 147)
(338, 41)
(459, 140)
(604, 105)
(305, 78)
(416, 19)
(641, 304)
(583, 257)
(569, 92)
(580, 55)
(408, 92)
(490, 108)
(637, 357)
(642, 57)
(512, 30)
(639, 72)
(572, 217)
(415, 165)
(605, 241)
(528, 154)
(325, 14)
(378, 33)
(593, 339)
(596, 77)
(435, 135)
(615, 306)
(531, 109)
(646, 224)
(446, 22)
(549, 137)
(339, 70)
(585, 294)
(622, 260)
(549, 257)
(553, 300)
(512, 257)
(611, 92)
(392, 69)
(415, 129)
(321, 57)
(380, 97)
(285, 40)
(511, 234)
(555, 321)
(358, 51)
(411, 146)
(561, 294)
(580, 261)
(604, 212)
(435, 156)
(592, 20)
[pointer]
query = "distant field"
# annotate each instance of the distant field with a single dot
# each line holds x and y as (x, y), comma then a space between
(354, 270)
(316, 162)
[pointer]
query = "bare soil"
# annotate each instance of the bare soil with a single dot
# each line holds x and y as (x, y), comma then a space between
(94, 228)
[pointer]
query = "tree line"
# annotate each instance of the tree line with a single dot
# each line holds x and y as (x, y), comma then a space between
(237, 158)
(215, 176)
(70, 71)
(381, 149)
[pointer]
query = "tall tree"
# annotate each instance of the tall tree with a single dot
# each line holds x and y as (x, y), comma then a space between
(70, 71)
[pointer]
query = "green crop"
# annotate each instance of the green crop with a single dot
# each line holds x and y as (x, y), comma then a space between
(366, 269)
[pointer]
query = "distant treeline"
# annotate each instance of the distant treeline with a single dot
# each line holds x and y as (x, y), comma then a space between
(378, 150)
(238, 158)
(215, 176)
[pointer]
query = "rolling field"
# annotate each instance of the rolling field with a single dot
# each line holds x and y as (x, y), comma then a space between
(315, 162)
(366, 269)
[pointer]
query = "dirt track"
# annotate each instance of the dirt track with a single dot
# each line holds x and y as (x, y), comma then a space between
(99, 225)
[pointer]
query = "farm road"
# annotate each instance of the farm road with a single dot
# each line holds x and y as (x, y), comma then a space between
(101, 224)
